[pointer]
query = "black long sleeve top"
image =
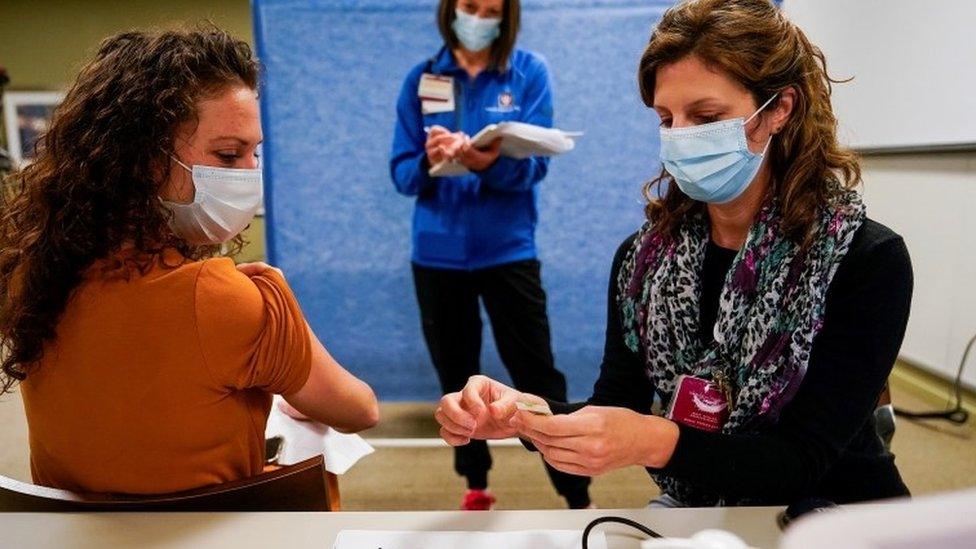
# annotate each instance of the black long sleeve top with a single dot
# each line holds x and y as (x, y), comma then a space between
(825, 443)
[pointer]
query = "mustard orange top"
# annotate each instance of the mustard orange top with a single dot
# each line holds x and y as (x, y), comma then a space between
(162, 382)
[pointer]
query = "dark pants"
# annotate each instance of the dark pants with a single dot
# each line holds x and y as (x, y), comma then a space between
(516, 306)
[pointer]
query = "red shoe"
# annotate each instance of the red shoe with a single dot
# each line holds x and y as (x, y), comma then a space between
(478, 500)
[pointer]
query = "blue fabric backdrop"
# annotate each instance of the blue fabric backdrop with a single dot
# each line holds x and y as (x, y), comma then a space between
(341, 233)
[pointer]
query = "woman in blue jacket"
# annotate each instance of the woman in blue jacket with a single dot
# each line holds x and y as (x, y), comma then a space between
(474, 235)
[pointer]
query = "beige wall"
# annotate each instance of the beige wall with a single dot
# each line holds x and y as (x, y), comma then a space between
(44, 42)
(930, 199)
(904, 95)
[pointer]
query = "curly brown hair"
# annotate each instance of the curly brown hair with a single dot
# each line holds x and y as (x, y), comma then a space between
(93, 188)
(752, 42)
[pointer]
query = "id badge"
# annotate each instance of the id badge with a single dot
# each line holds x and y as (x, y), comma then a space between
(436, 93)
(699, 403)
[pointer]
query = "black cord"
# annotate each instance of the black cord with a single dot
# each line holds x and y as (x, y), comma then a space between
(621, 520)
(957, 414)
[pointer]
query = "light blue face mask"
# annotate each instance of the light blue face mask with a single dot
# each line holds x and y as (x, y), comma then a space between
(475, 33)
(712, 162)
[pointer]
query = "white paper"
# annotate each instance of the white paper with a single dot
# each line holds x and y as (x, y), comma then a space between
(519, 140)
(432, 106)
(305, 439)
(526, 539)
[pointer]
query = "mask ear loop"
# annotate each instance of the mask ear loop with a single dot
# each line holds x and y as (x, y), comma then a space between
(185, 167)
(759, 110)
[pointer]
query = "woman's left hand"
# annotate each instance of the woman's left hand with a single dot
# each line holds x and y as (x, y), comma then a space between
(257, 268)
(598, 439)
(479, 159)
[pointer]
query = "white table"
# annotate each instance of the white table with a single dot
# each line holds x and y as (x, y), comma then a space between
(756, 525)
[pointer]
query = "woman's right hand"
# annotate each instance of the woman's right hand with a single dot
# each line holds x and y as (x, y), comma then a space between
(442, 144)
(482, 410)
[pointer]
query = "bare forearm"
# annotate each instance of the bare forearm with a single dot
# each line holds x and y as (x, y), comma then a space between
(334, 396)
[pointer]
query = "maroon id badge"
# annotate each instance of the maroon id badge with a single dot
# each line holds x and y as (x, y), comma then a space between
(699, 403)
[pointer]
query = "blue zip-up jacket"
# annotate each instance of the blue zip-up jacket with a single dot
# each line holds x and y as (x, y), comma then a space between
(485, 218)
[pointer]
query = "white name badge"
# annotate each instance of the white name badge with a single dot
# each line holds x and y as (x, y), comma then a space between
(436, 93)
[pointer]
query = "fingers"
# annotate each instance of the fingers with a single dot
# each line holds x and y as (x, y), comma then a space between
(456, 427)
(452, 148)
(538, 426)
(494, 146)
(576, 444)
(471, 396)
(456, 424)
(448, 143)
(570, 468)
(442, 139)
(537, 438)
(436, 130)
(568, 461)
(503, 407)
(436, 155)
(452, 439)
(440, 153)
(256, 269)
(251, 269)
(490, 150)
(450, 409)
(561, 454)
(479, 159)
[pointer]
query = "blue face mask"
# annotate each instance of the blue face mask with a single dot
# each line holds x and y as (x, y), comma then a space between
(712, 162)
(475, 33)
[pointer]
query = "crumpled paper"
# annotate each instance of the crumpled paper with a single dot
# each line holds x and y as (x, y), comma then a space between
(305, 439)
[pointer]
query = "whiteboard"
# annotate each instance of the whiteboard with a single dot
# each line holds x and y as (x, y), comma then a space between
(914, 69)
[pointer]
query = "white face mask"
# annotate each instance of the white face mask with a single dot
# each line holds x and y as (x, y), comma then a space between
(224, 203)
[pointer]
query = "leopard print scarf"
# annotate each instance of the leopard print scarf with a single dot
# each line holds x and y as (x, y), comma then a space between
(770, 310)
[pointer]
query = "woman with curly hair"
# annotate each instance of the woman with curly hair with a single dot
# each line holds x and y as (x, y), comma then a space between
(758, 302)
(147, 364)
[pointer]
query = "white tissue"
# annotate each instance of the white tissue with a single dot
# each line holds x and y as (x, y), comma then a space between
(305, 439)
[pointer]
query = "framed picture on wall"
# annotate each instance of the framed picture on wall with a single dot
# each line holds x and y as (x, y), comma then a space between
(27, 115)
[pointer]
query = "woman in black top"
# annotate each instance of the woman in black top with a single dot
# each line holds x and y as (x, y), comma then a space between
(758, 303)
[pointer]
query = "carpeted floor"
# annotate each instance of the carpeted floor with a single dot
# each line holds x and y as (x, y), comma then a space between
(933, 457)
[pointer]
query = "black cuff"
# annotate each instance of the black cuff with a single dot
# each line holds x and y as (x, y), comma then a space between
(562, 408)
(692, 445)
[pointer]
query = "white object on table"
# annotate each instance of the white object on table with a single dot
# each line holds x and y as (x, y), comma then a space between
(706, 539)
(519, 140)
(305, 439)
(944, 521)
(525, 539)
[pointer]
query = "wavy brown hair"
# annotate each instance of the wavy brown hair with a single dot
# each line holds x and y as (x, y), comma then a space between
(93, 188)
(752, 42)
